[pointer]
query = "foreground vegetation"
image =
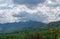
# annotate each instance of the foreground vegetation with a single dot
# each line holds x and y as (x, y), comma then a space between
(51, 33)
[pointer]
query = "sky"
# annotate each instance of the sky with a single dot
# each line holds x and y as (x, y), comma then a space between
(25, 10)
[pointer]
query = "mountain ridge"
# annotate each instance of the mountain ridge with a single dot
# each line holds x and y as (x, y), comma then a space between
(26, 26)
(20, 25)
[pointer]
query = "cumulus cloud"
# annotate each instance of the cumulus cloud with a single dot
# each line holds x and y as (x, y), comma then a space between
(43, 12)
(29, 3)
(33, 2)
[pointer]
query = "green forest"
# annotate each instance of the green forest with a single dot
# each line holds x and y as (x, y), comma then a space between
(53, 32)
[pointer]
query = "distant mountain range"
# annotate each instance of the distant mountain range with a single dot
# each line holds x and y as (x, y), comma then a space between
(26, 26)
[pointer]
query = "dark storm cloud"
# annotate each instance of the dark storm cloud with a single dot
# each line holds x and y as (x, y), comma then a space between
(32, 2)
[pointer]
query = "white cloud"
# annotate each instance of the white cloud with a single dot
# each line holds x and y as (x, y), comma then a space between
(42, 12)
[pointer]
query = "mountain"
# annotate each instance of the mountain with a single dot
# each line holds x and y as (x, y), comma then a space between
(55, 24)
(26, 26)
(22, 26)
